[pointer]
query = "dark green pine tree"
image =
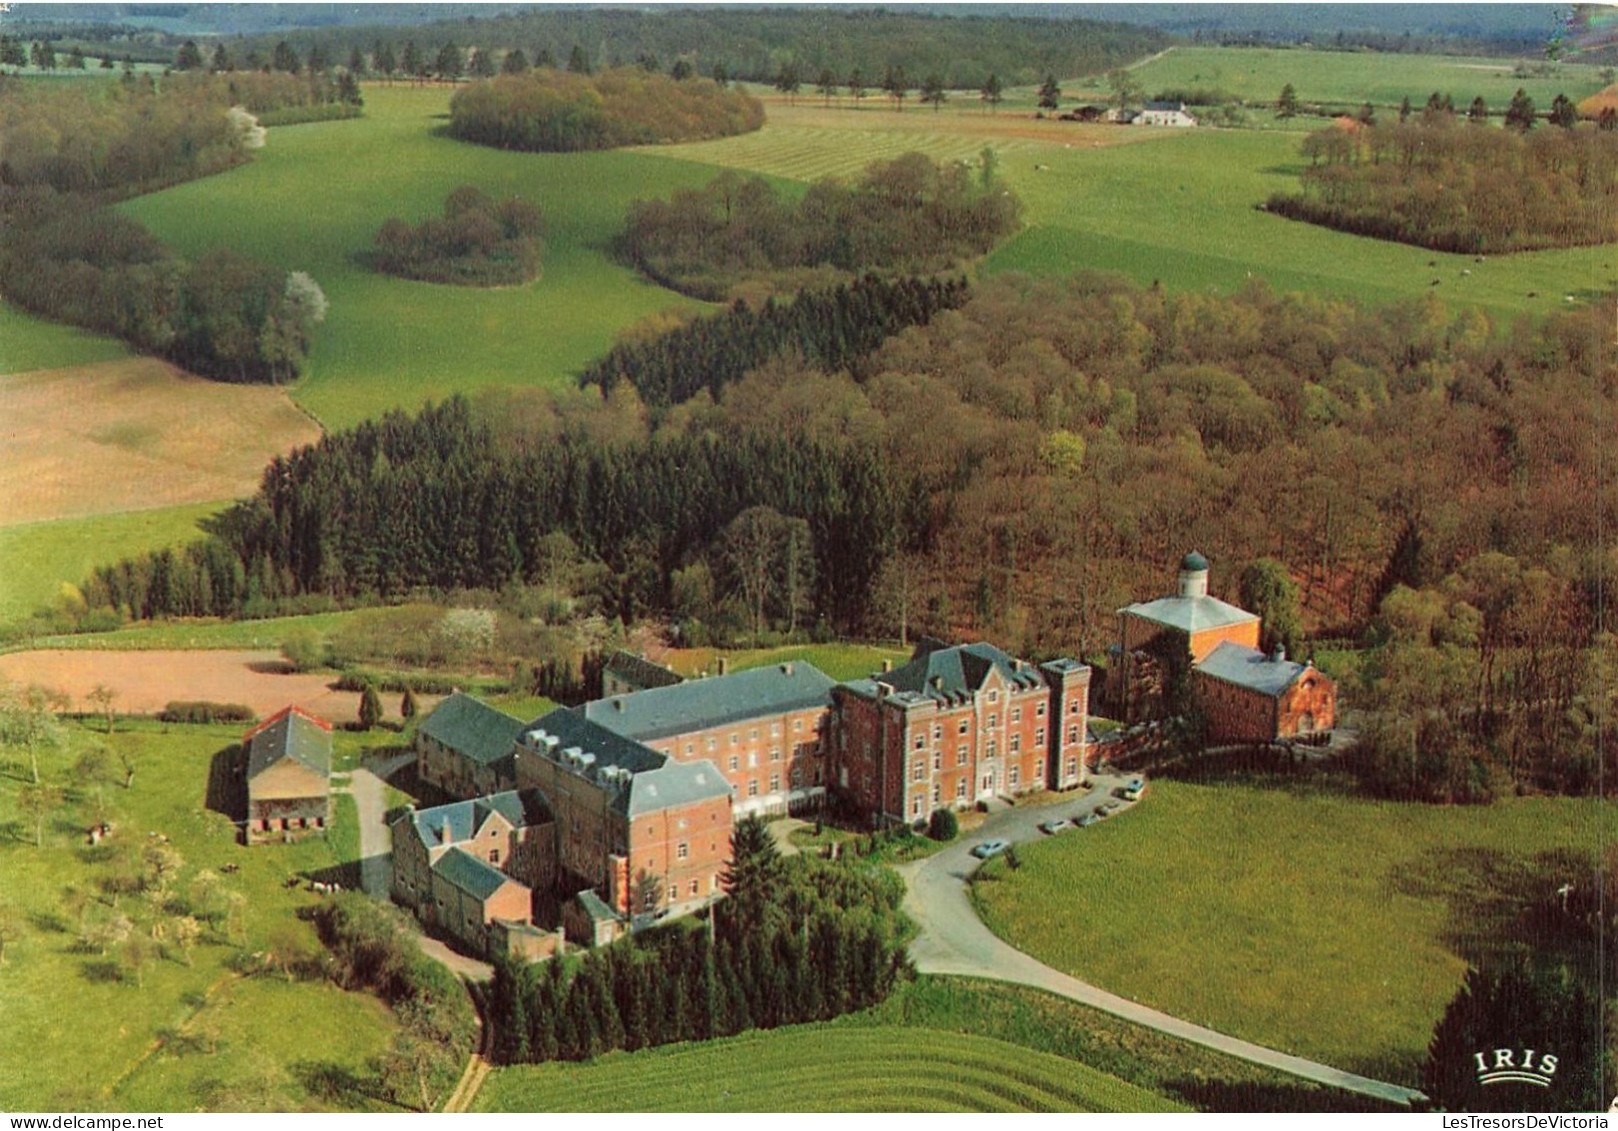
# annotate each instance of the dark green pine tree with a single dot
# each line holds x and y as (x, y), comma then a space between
(370, 713)
(407, 705)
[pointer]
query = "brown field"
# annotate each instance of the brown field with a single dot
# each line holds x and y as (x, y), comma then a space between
(135, 435)
(147, 681)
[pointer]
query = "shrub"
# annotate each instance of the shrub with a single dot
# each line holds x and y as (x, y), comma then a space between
(943, 826)
(203, 711)
(304, 648)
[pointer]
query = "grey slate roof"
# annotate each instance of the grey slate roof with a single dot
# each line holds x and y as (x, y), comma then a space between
(703, 703)
(472, 728)
(288, 734)
(946, 674)
(595, 907)
(461, 819)
(655, 781)
(1250, 668)
(640, 671)
(1190, 614)
(469, 874)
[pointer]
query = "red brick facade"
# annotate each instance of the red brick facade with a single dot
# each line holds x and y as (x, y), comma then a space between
(763, 758)
(1244, 714)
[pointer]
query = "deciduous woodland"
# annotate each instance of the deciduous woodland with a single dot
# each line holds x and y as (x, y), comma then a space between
(67, 152)
(560, 111)
(1018, 469)
(1439, 182)
(910, 214)
(477, 242)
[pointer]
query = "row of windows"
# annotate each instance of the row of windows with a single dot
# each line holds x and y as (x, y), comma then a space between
(1013, 780)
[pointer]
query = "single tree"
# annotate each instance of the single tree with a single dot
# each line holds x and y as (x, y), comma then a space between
(407, 705)
(1404, 108)
(384, 62)
(75, 59)
(1478, 112)
(1520, 114)
(515, 62)
(897, 85)
(370, 713)
(319, 62)
(188, 57)
(94, 767)
(221, 61)
(576, 62)
(356, 62)
(788, 82)
(943, 825)
(1287, 105)
(647, 62)
(481, 65)
(106, 63)
(37, 801)
(411, 61)
(1126, 87)
(187, 930)
(1050, 95)
(304, 648)
(1563, 112)
(449, 64)
(856, 86)
(992, 92)
(754, 872)
(1268, 590)
(826, 84)
(682, 69)
(647, 892)
(28, 721)
(11, 928)
(720, 74)
(1367, 115)
(932, 90)
(103, 697)
(285, 58)
(43, 54)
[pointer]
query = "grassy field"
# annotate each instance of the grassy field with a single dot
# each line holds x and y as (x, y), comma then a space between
(231, 635)
(136, 435)
(1256, 75)
(28, 343)
(1331, 927)
(36, 558)
(186, 1029)
(316, 195)
(821, 1068)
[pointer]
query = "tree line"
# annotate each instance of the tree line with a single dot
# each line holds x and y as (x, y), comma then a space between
(909, 214)
(443, 502)
(561, 111)
(1436, 183)
(477, 242)
(794, 941)
(832, 329)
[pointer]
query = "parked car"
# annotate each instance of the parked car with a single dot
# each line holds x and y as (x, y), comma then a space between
(1108, 809)
(1060, 825)
(990, 848)
(1087, 820)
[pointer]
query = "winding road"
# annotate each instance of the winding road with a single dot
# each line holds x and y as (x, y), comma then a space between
(953, 940)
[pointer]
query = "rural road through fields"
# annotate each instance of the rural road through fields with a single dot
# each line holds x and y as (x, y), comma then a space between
(953, 940)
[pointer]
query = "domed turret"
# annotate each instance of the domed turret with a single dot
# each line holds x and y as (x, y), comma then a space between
(1194, 575)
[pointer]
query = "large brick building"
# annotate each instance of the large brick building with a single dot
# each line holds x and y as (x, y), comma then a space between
(763, 728)
(631, 822)
(288, 772)
(1158, 641)
(957, 725)
(1212, 646)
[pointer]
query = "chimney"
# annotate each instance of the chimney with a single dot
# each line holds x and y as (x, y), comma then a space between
(617, 704)
(786, 669)
(722, 664)
(887, 666)
(1278, 654)
(938, 683)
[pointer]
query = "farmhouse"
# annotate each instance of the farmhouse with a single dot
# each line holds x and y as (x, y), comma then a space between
(1164, 114)
(1252, 696)
(763, 728)
(957, 725)
(629, 819)
(625, 672)
(464, 747)
(463, 866)
(288, 769)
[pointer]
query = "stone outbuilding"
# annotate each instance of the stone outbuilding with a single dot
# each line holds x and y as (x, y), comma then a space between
(465, 747)
(288, 771)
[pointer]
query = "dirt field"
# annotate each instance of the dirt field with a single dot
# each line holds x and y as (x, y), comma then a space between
(135, 435)
(146, 681)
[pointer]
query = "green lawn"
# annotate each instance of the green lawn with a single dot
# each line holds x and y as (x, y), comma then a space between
(1331, 927)
(821, 1068)
(1256, 75)
(198, 634)
(37, 558)
(270, 1038)
(28, 343)
(316, 195)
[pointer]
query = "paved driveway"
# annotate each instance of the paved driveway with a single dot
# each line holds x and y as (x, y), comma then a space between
(953, 940)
